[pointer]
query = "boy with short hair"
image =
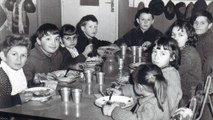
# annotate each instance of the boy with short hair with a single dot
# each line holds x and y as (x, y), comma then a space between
(45, 57)
(144, 34)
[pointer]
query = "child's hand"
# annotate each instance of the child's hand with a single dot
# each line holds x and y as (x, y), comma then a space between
(115, 91)
(146, 45)
(107, 109)
(52, 76)
(88, 49)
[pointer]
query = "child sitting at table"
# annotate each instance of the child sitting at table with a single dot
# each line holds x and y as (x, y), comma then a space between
(152, 103)
(68, 50)
(190, 69)
(44, 57)
(14, 53)
(87, 28)
(166, 55)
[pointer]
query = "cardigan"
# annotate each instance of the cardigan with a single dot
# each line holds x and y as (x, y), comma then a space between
(38, 62)
(190, 72)
(147, 109)
(68, 60)
(83, 41)
(6, 99)
(136, 37)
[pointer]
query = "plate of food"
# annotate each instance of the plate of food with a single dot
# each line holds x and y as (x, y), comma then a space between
(135, 65)
(70, 76)
(123, 101)
(107, 50)
(92, 61)
(39, 93)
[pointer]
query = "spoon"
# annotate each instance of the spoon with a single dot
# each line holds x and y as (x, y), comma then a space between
(110, 96)
(65, 75)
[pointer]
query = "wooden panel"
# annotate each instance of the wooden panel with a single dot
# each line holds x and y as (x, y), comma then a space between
(49, 11)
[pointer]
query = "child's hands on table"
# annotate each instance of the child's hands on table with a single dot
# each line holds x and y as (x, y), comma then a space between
(107, 109)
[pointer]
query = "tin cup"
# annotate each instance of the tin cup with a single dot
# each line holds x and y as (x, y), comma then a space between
(65, 94)
(100, 78)
(123, 50)
(88, 74)
(121, 63)
(139, 54)
(76, 95)
(134, 50)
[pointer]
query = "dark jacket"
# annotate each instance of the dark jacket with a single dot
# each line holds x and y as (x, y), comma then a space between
(83, 41)
(68, 60)
(136, 37)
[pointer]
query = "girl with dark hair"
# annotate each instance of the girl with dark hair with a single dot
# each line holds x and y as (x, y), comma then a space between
(151, 87)
(190, 68)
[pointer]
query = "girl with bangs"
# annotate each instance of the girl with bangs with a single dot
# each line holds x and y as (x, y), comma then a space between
(166, 55)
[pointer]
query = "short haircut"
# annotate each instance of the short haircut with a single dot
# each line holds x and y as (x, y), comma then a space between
(170, 44)
(84, 21)
(143, 10)
(190, 31)
(14, 40)
(45, 29)
(204, 13)
(67, 29)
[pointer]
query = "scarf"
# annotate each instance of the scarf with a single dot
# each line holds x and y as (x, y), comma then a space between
(17, 78)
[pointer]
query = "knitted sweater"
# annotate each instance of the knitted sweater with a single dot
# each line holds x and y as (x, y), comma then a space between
(38, 62)
(174, 91)
(205, 45)
(147, 109)
(190, 72)
(83, 41)
(136, 37)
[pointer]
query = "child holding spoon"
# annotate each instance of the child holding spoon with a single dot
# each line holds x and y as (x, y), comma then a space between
(152, 103)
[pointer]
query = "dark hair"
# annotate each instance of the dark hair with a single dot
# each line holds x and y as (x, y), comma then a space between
(67, 29)
(204, 13)
(45, 29)
(15, 40)
(152, 76)
(139, 12)
(170, 44)
(184, 24)
(84, 21)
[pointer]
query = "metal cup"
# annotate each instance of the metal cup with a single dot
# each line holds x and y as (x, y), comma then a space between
(123, 51)
(134, 50)
(139, 53)
(121, 63)
(100, 78)
(65, 94)
(88, 74)
(76, 95)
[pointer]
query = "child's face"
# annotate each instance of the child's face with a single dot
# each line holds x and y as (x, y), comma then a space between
(16, 57)
(160, 56)
(180, 36)
(49, 43)
(201, 25)
(145, 21)
(69, 41)
(90, 29)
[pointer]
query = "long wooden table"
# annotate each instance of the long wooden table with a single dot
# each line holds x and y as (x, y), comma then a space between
(56, 109)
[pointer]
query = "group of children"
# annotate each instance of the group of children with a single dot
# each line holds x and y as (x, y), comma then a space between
(161, 86)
